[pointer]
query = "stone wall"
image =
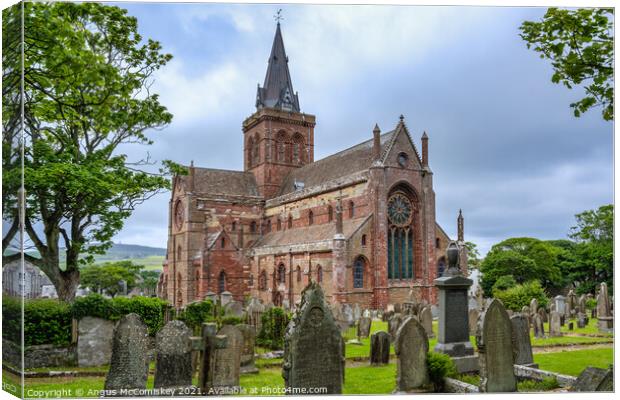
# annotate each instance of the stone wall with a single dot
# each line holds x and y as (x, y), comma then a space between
(45, 355)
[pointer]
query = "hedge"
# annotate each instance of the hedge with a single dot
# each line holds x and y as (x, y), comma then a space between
(196, 313)
(274, 322)
(150, 309)
(46, 321)
(518, 296)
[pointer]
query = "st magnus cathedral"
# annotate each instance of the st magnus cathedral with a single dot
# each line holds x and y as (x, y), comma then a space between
(360, 222)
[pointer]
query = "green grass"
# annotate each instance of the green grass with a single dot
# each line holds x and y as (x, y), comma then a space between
(569, 340)
(573, 362)
(590, 329)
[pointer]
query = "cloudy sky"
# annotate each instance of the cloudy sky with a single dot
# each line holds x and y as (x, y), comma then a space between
(504, 145)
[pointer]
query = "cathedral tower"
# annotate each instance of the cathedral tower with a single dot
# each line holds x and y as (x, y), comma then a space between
(277, 137)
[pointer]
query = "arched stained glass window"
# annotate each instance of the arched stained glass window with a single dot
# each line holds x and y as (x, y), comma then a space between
(222, 282)
(358, 273)
(400, 237)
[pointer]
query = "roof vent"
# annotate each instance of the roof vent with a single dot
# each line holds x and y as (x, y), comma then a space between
(298, 185)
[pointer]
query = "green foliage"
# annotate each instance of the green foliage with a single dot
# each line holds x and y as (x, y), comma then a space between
(150, 309)
(106, 278)
(523, 258)
(231, 320)
(531, 385)
(46, 321)
(196, 313)
(440, 366)
(149, 280)
(580, 45)
(515, 297)
(87, 75)
(274, 322)
(591, 304)
(473, 255)
(504, 282)
(594, 252)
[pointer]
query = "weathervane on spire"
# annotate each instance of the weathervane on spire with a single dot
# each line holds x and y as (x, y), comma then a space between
(278, 17)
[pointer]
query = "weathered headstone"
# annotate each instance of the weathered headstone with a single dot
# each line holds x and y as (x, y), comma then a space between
(594, 379)
(560, 304)
(543, 314)
(571, 326)
(255, 312)
(473, 320)
(582, 320)
(313, 346)
(571, 302)
(521, 342)
(94, 346)
(393, 324)
(411, 347)
(211, 342)
(494, 340)
(554, 325)
(225, 297)
(398, 308)
(380, 348)
(603, 310)
(363, 327)
(173, 368)
(426, 319)
(247, 351)
(228, 360)
(357, 312)
(235, 309)
(539, 327)
(581, 304)
(129, 362)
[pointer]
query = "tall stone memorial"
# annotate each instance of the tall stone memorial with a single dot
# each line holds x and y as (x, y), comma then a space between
(453, 334)
(313, 346)
(173, 367)
(247, 350)
(494, 342)
(554, 325)
(363, 327)
(411, 347)
(603, 310)
(129, 363)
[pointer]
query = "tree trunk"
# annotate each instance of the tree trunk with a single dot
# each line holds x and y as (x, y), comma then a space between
(66, 283)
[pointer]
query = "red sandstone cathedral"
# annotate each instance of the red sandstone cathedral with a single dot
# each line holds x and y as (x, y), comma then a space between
(360, 222)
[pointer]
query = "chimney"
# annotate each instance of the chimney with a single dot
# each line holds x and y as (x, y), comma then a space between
(376, 143)
(425, 150)
(191, 177)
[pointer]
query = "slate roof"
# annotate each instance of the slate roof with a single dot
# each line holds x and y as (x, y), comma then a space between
(308, 234)
(354, 159)
(224, 182)
(277, 91)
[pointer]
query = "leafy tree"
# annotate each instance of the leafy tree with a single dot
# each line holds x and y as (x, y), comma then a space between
(594, 251)
(517, 296)
(87, 74)
(580, 45)
(473, 255)
(106, 278)
(148, 280)
(504, 282)
(525, 259)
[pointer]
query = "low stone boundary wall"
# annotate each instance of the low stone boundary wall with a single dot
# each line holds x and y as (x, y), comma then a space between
(456, 386)
(45, 355)
(524, 372)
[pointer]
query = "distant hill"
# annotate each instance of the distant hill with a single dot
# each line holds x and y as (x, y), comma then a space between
(150, 257)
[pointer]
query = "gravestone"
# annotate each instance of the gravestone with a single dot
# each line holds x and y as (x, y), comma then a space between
(211, 342)
(473, 321)
(369, 314)
(539, 327)
(363, 327)
(235, 309)
(173, 368)
(453, 335)
(426, 319)
(533, 306)
(494, 340)
(581, 304)
(571, 326)
(521, 342)
(393, 324)
(94, 346)
(228, 359)
(560, 304)
(313, 346)
(543, 314)
(129, 362)
(554, 325)
(571, 302)
(398, 308)
(525, 310)
(247, 350)
(594, 379)
(582, 320)
(357, 312)
(380, 348)
(225, 298)
(255, 312)
(603, 310)
(411, 347)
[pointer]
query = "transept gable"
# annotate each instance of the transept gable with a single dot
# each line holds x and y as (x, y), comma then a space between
(401, 142)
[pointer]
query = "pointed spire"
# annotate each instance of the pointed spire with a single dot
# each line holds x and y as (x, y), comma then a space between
(425, 149)
(277, 90)
(376, 145)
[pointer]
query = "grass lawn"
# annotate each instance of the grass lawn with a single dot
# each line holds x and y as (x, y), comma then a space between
(573, 362)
